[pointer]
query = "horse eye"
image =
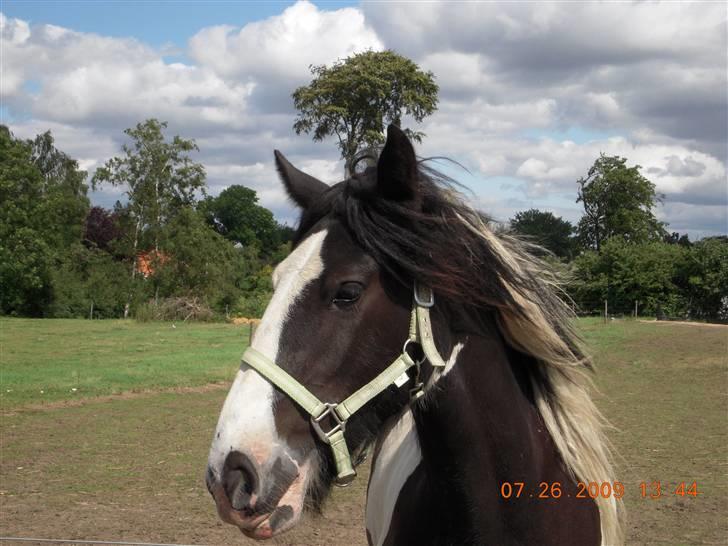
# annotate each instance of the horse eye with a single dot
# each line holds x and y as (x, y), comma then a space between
(348, 293)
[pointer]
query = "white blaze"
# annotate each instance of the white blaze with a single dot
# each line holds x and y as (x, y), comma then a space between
(246, 421)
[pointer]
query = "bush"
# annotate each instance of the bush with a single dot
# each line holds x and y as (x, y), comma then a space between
(181, 309)
(252, 305)
(88, 278)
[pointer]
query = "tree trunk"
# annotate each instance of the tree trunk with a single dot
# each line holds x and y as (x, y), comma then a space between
(127, 305)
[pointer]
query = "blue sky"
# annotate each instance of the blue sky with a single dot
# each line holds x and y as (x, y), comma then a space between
(530, 94)
(153, 22)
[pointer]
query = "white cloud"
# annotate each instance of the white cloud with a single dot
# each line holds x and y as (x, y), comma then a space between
(283, 47)
(645, 81)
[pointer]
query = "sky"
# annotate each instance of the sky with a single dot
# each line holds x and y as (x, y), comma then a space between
(530, 93)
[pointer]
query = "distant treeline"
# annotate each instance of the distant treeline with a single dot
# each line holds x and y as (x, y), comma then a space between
(169, 251)
(166, 251)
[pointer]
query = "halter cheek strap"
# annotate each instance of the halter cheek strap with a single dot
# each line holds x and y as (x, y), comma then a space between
(336, 415)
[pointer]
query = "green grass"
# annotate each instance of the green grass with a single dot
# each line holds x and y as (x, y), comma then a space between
(42, 361)
(130, 468)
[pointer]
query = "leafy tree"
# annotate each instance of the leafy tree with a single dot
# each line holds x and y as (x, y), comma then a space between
(42, 206)
(88, 282)
(706, 278)
(159, 178)
(618, 202)
(26, 263)
(201, 262)
(549, 231)
(675, 238)
(102, 227)
(237, 216)
(64, 204)
(355, 98)
(624, 273)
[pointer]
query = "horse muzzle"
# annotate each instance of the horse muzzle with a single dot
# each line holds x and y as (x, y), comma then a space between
(260, 504)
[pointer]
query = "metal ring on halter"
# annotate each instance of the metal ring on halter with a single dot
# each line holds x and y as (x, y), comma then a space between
(422, 303)
(404, 351)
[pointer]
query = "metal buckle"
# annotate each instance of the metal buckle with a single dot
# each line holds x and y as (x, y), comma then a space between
(316, 423)
(430, 302)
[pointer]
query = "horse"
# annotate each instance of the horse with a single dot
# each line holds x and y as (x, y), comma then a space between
(403, 325)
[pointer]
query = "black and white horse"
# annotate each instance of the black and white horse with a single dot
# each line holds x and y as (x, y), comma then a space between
(510, 406)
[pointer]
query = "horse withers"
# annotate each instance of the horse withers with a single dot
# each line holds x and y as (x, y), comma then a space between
(401, 321)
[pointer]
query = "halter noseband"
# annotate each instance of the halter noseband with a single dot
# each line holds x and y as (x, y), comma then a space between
(420, 332)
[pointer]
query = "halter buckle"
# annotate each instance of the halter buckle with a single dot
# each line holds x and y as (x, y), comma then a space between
(330, 409)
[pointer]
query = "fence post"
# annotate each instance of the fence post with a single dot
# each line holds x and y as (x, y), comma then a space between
(91, 313)
(605, 311)
(635, 308)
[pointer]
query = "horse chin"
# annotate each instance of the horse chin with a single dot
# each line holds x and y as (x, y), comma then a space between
(261, 526)
(266, 529)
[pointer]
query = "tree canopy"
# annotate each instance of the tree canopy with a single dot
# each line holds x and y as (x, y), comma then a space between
(236, 215)
(545, 229)
(43, 205)
(158, 175)
(357, 97)
(618, 202)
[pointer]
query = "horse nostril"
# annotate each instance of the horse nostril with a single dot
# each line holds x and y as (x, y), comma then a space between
(240, 480)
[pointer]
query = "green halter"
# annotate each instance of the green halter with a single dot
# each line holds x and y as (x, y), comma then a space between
(420, 332)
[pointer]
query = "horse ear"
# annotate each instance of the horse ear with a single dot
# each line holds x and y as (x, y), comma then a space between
(304, 189)
(397, 168)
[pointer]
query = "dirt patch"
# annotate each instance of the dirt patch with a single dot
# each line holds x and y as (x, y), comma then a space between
(687, 323)
(132, 469)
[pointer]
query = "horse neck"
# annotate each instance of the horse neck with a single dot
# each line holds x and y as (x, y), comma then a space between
(441, 465)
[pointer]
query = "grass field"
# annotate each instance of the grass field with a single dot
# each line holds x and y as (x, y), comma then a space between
(45, 360)
(129, 466)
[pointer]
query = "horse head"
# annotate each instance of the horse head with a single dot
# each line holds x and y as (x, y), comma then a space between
(336, 321)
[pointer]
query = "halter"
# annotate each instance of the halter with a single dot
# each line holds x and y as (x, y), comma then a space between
(420, 333)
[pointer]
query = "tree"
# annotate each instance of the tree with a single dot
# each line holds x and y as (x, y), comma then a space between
(675, 238)
(624, 273)
(356, 98)
(88, 282)
(237, 216)
(549, 231)
(64, 204)
(201, 263)
(102, 227)
(618, 202)
(706, 278)
(159, 178)
(42, 207)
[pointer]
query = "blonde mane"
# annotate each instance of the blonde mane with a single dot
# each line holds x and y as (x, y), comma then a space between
(573, 420)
